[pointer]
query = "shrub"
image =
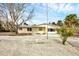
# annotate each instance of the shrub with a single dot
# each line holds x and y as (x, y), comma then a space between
(65, 33)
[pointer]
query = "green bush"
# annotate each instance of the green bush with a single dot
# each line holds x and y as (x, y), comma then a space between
(65, 33)
(58, 31)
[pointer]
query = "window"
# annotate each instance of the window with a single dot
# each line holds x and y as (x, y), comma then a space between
(20, 28)
(40, 29)
(50, 30)
(29, 29)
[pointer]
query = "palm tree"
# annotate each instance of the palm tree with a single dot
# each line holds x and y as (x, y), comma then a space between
(71, 20)
(67, 29)
(77, 24)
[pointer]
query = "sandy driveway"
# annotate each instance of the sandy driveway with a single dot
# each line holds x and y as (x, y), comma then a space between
(74, 41)
(35, 45)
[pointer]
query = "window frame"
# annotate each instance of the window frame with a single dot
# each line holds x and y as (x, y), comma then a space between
(29, 29)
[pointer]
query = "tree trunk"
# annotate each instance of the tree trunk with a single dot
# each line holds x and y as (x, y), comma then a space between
(64, 40)
(16, 29)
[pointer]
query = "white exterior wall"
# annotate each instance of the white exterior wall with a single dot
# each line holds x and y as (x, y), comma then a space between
(24, 30)
(35, 30)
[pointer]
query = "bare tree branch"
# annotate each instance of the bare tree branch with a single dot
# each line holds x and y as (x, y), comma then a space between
(15, 12)
(28, 18)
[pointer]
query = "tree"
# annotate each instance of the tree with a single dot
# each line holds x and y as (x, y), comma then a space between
(1, 27)
(53, 23)
(25, 24)
(71, 20)
(65, 33)
(59, 23)
(77, 24)
(15, 12)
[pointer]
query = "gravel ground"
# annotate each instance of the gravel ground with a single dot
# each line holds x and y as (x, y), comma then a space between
(35, 46)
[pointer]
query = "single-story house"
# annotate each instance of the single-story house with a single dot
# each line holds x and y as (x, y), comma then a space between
(25, 29)
(37, 29)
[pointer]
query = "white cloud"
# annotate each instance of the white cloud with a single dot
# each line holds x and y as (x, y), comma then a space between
(53, 6)
(59, 7)
(67, 7)
(57, 11)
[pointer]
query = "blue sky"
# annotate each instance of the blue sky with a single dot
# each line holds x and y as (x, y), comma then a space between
(56, 11)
